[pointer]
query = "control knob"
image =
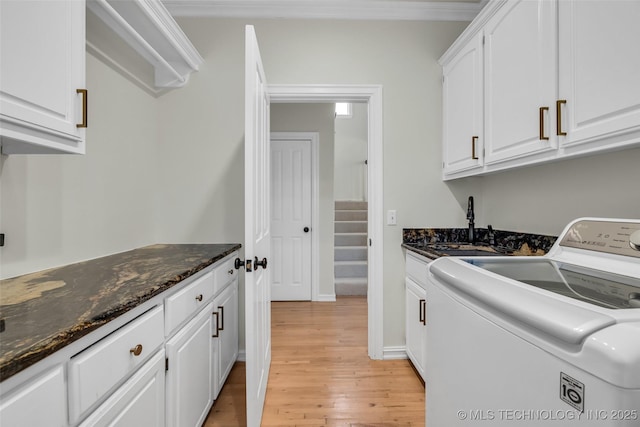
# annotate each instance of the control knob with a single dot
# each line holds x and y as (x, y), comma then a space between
(634, 240)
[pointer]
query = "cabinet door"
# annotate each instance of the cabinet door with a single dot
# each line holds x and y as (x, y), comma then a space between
(189, 372)
(42, 57)
(520, 79)
(462, 110)
(599, 72)
(138, 402)
(225, 333)
(40, 402)
(415, 297)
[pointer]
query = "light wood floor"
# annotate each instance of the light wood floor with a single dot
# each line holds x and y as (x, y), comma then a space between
(321, 374)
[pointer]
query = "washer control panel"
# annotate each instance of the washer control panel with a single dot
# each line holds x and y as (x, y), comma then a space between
(620, 238)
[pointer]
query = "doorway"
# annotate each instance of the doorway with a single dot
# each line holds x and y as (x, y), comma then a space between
(372, 95)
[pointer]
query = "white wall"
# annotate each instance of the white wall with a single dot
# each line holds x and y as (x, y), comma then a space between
(202, 125)
(59, 209)
(171, 169)
(543, 199)
(350, 171)
(316, 118)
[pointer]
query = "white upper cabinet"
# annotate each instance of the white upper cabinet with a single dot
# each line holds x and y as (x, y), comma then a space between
(560, 80)
(462, 88)
(520, 73)
(599, 74)
(42, 76)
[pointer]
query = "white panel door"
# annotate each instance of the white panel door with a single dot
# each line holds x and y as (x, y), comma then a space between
(257, 235)
(599, 69)
(520, 75)
(291, 220)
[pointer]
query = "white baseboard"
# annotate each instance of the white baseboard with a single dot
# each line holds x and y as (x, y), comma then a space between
(390, 353)
(395, 353)
(327, 298)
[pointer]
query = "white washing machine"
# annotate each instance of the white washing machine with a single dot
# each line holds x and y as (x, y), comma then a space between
(538, 341)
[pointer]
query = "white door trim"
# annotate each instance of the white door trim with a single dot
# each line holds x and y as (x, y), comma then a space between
(314, 139)
(372, 94)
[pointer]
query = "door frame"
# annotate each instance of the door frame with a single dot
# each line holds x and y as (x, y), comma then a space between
(372, 95)
(314, 139)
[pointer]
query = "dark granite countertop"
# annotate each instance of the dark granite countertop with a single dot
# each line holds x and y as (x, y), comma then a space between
(509, 243)
(45, 311)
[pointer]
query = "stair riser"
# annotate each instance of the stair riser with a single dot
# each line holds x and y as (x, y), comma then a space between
(351, 205)
(351, 289)
(350, 254)
(350, 215)
(351, 227)
(358, 270)
(350, 240)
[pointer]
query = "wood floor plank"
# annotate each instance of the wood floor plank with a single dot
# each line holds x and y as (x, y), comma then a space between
(321, 374)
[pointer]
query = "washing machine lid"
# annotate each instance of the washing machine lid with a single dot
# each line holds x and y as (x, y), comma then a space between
(596, 287)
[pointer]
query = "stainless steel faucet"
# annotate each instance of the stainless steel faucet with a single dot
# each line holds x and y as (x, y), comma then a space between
(471, 216)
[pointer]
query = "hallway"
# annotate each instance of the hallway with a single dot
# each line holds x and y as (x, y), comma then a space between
(321, 374)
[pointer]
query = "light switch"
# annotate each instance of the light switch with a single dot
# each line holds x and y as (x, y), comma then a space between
(392, 219)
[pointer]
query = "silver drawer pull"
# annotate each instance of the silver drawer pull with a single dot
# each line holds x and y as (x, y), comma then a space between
(137, 350)
(199, 297)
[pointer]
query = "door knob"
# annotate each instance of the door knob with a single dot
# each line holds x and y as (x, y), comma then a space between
(262, 263)
(306, 229)
(238, 263)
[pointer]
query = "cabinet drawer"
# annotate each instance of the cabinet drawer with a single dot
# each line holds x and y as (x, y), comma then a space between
(224, 273)
(417, 268)
(93, 372)
(185, 303)
(138, 402)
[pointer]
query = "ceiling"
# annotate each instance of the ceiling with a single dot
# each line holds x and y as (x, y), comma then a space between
(413, 10)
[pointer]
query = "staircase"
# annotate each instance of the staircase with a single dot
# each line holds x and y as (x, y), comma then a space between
(350, 248)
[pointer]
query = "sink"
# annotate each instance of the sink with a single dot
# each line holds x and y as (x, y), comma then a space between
(461, 249)
(468, 252)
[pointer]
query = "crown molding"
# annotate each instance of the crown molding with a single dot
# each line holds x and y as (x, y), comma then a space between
(150, 30)
(472, 30)
(399, 10)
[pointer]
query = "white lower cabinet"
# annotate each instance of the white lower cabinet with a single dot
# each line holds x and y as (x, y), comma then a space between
(416, 297)
(188, 378)
(416, 311)
(138, 402)
(141, 373)
(42, 401)
(225, 335)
